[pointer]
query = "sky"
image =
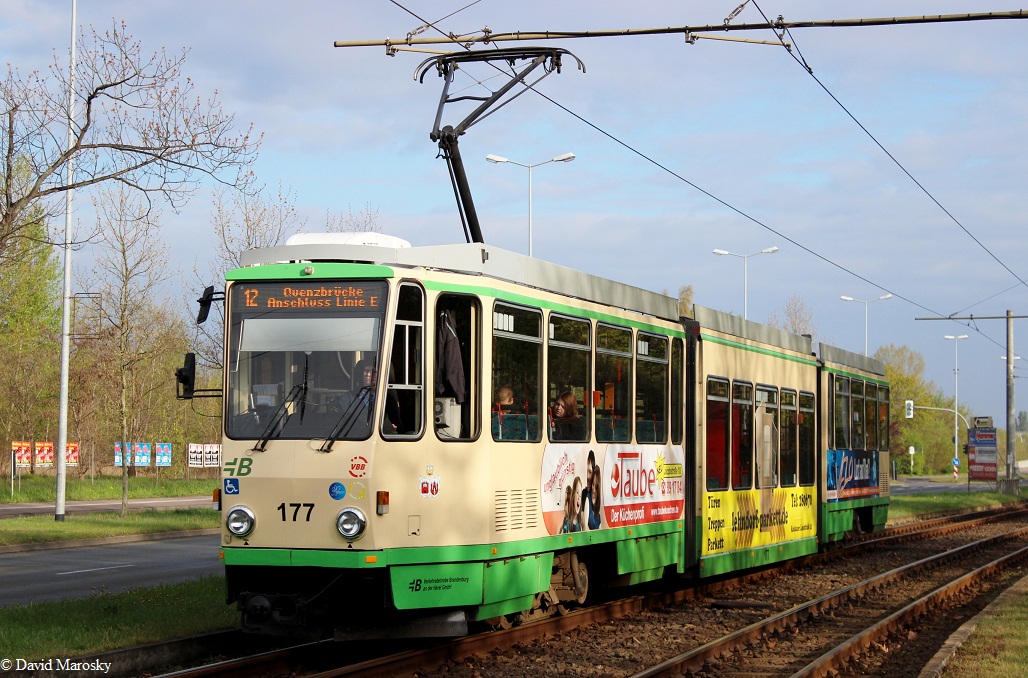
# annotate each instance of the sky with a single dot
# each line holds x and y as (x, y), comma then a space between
(898, 167)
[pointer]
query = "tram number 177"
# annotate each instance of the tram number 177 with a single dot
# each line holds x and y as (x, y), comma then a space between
(296, 511)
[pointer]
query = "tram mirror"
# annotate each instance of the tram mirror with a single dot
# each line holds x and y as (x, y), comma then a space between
(206, 299)
(185, 378)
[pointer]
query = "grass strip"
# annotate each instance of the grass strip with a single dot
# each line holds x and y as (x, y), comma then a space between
(43, 488)
(907, 507)
(998, 648)
(105, 621)
(37, 529)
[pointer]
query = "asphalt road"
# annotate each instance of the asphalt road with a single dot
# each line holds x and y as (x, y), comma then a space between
(56, 574)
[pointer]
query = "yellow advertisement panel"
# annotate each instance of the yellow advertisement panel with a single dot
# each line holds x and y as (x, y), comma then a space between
(742, 519)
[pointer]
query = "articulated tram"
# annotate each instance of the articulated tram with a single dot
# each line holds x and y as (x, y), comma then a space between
(420, 438)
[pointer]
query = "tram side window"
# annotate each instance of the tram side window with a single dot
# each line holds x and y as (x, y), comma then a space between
(614, 384)
(871, 416)
(405, 392)
(883, 417)
(857, 412)
(790, 435)
(651, 389)
(717, 434)
(568, 371)
(767, 436)
(677, 385)
(842, 412)
(742, 436)
(517, 371)
(456, 380)
(808, 439)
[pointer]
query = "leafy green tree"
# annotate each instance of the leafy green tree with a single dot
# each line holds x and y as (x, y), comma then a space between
(930, 432)
(30, 282)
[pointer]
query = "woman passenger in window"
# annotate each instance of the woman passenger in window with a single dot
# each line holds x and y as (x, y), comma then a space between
(565, 424)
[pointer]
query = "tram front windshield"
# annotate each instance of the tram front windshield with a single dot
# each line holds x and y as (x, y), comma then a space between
(303, 359)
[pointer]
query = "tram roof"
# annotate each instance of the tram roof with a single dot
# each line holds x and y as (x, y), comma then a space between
(719, 321)
(478, 259)
(844, 358)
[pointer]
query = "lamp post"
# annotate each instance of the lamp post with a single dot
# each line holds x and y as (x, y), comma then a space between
(865, 303)
(496, 159)
(62, 407)
(956, 383)
(745, 273)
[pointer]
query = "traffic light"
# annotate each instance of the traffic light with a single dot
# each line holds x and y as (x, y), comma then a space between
(909, 409)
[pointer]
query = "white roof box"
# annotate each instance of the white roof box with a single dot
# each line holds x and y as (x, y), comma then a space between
(367, 238)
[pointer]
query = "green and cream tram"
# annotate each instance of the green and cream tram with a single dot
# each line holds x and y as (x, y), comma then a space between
(420, 438)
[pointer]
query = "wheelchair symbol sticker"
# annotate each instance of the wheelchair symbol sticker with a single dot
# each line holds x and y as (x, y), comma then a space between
(231, 485)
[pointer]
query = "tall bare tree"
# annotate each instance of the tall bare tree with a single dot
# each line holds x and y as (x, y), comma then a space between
(139, 122)
(685, 293)
(796, 318)
(132, 264)
(364, 221)
(240, 220)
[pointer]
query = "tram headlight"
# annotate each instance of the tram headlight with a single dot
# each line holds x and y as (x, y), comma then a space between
(351, 523)
(240, 521)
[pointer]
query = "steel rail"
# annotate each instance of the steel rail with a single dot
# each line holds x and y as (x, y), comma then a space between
(715, 650)
(458, 648)
(833, 660)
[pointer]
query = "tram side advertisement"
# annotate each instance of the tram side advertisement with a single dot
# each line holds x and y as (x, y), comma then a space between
(591, 487)
(852, 474)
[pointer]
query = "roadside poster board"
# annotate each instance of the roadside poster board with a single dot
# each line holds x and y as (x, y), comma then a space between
(195, 455)
(981, 454)
(44, 454)
(163, 454)
(123, 454)
(22, 450)
(212, 456)
(71, 454)
(141, 454)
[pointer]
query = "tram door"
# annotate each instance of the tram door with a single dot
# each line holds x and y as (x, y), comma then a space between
(767, 446)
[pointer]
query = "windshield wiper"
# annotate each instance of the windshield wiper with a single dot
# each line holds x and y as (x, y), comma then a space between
(349, 417)
(278, 419)
(282, 414)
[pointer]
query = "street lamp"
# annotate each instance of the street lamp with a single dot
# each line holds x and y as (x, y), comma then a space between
(496, 159)
(956, 383)
(1011, 367)
(865, 303)
(745, 272)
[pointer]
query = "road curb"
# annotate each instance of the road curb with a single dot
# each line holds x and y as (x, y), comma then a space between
(100, 541)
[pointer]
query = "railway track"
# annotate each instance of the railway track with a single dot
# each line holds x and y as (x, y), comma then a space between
(341, 659)
(820, 636)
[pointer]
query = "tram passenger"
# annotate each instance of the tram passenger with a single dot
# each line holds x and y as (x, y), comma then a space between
(359, 404)
(565, 424)
(504, 399)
